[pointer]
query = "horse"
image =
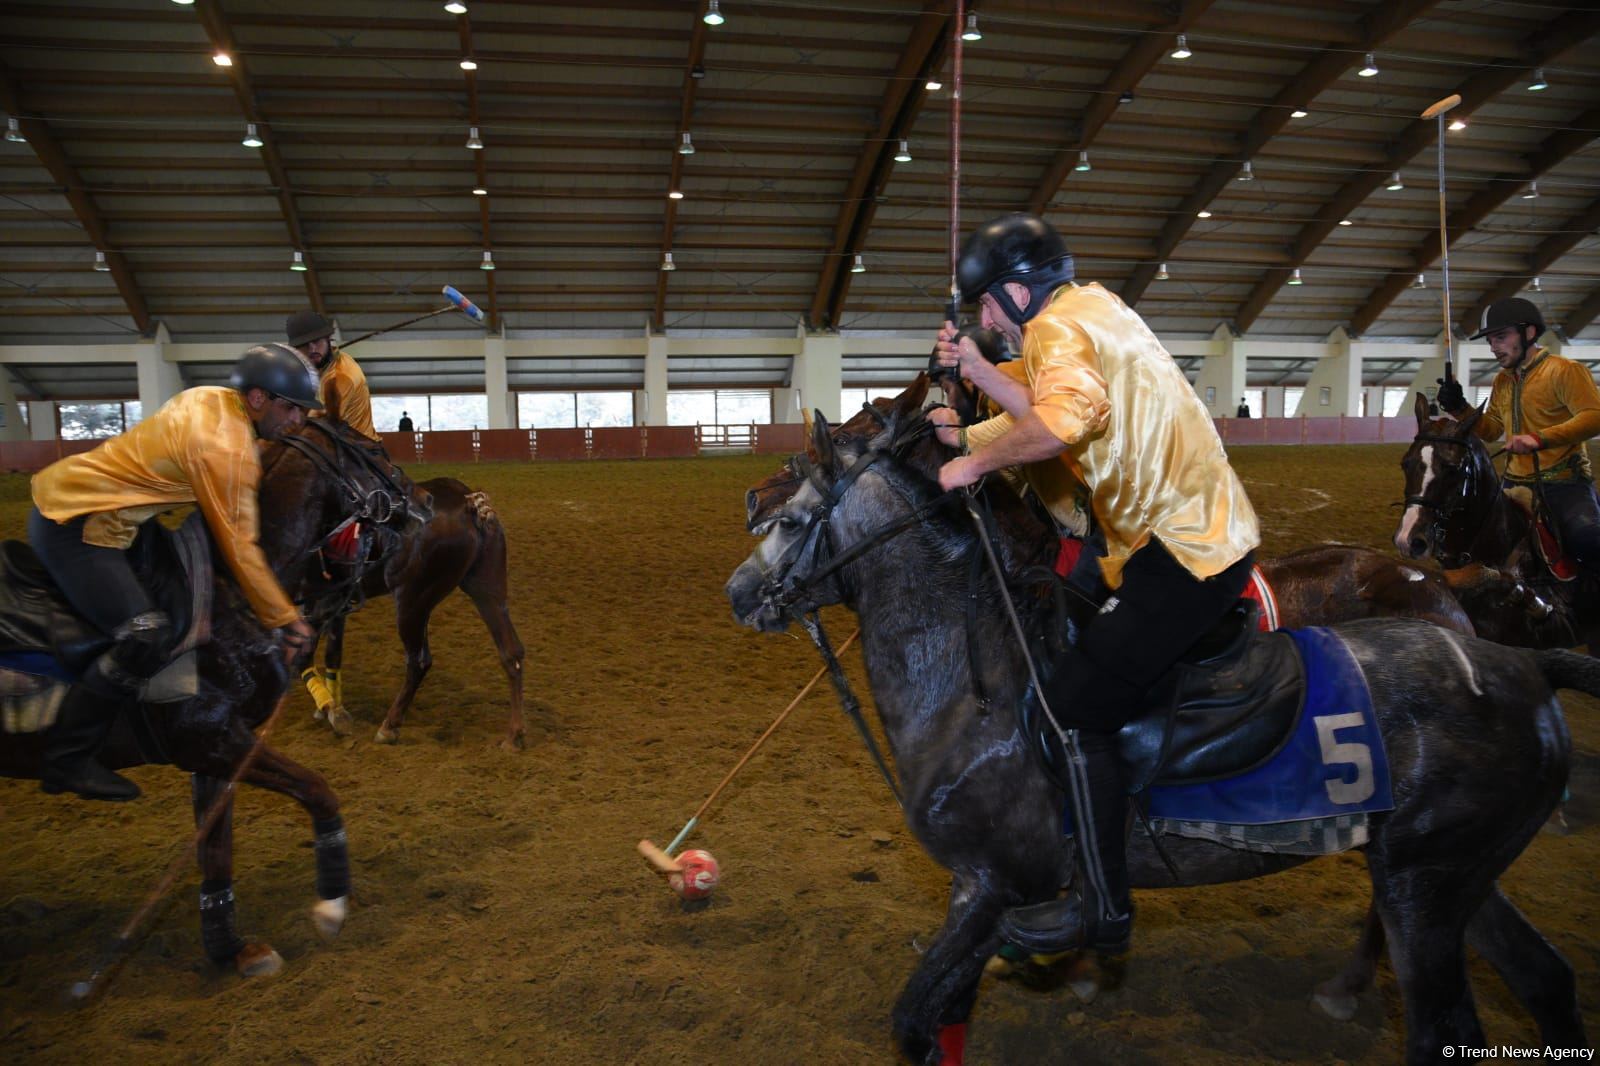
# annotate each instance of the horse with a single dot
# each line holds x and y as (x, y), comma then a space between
(1455, 511)
(463, 545)
(1477, 747)
(240, 679)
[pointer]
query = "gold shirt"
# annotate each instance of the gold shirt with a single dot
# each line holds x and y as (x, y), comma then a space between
(199, 448)
(1553, 397)
(345, 395)
(1137, 436)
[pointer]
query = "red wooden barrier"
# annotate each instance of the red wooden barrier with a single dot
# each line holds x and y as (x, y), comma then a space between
(505, 445)
(402, 447)
(669, 442)
(561, 444)
(449, 446)
(616, 442)
(780, 439)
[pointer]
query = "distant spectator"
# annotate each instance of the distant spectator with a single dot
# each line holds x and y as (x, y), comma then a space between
(406, 425)
(1244, 409)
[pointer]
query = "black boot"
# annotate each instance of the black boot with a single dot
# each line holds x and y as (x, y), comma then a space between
(70, 765)
(1098, 912)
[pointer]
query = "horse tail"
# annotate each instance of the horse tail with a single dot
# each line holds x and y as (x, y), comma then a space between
(482, 509)
(1567, 669)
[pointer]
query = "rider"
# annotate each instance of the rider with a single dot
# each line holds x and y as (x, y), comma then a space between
(1546, 406)
(1102, 395)
(200, 448)
(344, 386)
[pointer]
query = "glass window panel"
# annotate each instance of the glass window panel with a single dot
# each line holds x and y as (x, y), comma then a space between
(738, 406)
(90, 421)
(386, 412)
(1291, 401)
(691, 407)
(605, 408)
(545, 410)
(470, 411)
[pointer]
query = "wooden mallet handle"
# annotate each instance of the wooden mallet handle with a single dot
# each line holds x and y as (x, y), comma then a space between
(663, 862)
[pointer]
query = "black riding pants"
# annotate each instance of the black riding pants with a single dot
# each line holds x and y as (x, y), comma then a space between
(98, 582)
(1157, 614)
(1576, 510)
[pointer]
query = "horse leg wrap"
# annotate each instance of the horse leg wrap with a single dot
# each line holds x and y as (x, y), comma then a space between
(333, 858)
(335, 686)
(320, 692)
(219, 932)
(952, 1043)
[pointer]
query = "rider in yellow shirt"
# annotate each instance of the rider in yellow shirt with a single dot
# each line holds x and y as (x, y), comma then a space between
(344, 387)
(200, 448)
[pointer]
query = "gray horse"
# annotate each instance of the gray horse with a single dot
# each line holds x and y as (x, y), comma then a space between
(1477, 746)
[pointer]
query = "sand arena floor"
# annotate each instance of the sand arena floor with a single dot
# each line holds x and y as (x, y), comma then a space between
(501, 914)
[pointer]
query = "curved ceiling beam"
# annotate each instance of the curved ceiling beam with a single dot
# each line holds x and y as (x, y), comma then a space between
(696, 60)
(51, 156)
(1564, 33)
(480, 167)
(1382, 23)
(216, 27)
(1146, 52)
(897, 113)
(1578, 319)
(1501, 188)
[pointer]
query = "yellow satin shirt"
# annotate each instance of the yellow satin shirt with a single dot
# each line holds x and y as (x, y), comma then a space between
(199, 448)
(1136, 435)
(1052, 480)
(1554, 398)
(345, 395)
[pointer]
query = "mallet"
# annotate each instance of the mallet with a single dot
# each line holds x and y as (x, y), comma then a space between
(458, 302)
(1438, 111)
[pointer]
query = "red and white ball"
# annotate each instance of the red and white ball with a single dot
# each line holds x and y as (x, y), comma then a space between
(697, 874)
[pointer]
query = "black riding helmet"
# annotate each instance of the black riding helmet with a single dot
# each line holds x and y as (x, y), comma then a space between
(279, 370)
(303, 327)
(1019, 247)
(1513, 311)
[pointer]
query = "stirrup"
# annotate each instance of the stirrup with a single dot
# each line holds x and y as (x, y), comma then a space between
(1060, 925)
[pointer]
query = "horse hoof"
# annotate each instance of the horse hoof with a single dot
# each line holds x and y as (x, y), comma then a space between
(328, 915)
(1557, 824)
(515, 742)
(387, 735)
(340, 722)
(258, 960)
(998, 967)
(1083, 977)
(1341, 1008)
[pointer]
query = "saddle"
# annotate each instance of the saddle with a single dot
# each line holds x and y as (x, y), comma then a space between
(1563, 566)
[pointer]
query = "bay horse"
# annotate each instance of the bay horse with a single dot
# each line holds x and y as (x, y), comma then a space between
(1477, 747)
(1456, 512)
(463, 545)
(241, 678)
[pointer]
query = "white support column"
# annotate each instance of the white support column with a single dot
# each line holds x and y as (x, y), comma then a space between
(497, 382)
(159, 380)
(1222, 375)
(650, 402)
(817, 377)
(11, 427)
(1339, 372)
(42, 419)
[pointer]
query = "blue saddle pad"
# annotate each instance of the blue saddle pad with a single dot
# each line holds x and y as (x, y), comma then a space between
(1333, 764)
(35, 662)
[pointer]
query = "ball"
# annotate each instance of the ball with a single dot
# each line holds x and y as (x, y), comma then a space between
(697, 876)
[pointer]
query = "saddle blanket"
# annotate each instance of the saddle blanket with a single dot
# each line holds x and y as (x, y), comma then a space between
(1332, 767)
(33, 684)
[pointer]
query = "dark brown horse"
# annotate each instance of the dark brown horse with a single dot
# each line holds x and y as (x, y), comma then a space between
(241, 678)
(1456, 512)
(463, 545)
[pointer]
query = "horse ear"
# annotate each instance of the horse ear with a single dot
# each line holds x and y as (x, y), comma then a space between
(1421, 409)
(1471, 420)
(909, 403)
(822, 441)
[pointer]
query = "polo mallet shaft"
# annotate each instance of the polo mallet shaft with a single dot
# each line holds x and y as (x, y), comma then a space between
(956, 41)
(458, 302)
(397, 325)
(1438, 112)
(694, 819)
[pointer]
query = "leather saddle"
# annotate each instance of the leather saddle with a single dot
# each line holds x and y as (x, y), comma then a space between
(36, 618)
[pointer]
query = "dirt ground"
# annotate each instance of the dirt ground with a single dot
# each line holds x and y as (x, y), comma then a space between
(502, 915)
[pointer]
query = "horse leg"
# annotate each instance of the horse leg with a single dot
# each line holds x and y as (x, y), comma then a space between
(413, 612)
(489, 597)
(930, 1016)
(1424, 913)
(1337, 995)
(333, 684)
(1534, 970)
(219, 933)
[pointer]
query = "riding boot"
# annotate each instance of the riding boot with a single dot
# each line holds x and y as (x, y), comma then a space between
(1098, 911)
(80, 727)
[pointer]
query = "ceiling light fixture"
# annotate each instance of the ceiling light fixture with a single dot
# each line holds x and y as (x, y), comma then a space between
(222, 59)
(488, 261)
(1295, 279)
(1299, 112)
(1535, 286)
(468, 63)
(1395, 184)
(697, 71)
(473, 141)
(675, 194)
(972, 33)
(904, 154)
(1245, 173)
(667, 265)
(713, 15)
(686, 146)
(1161, 273)
(934, 84)
(858, 267)
(1421, 282)
(479, 190)
(1202, 213)
(1083, 162)
(251, 138)
(298, 263)
(14, 132)
(100, 263)
(1458, 124)
(456, 7)
(1371, 68)
(184, 3)
(1533, 191)
(1182, 51)
(1538, 84)
(1346, 222)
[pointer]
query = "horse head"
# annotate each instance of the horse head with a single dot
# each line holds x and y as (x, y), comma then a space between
(1448, 477)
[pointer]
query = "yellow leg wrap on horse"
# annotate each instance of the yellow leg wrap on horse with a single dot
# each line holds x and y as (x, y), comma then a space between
(335, 685)
(320, 692)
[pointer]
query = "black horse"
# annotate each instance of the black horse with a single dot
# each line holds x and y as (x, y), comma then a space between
(1477, 746)
(240, 678)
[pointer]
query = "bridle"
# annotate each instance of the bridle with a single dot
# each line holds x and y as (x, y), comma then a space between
(1448, 510)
